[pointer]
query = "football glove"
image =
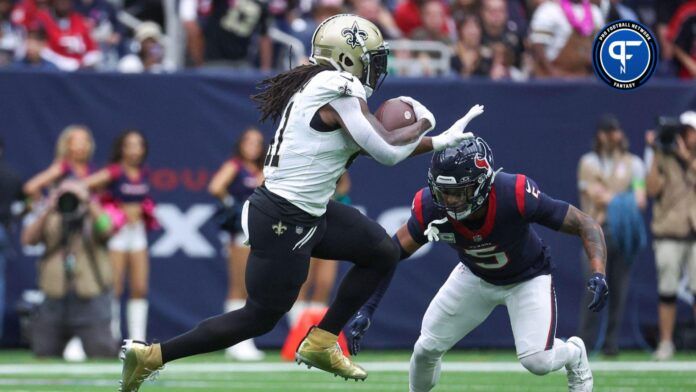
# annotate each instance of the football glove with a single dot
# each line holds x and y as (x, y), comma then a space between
(356, 329)
(598, 286)
(455, 134)
(420, 111)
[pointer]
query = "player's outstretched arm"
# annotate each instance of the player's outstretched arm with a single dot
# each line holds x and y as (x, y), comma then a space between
(348, 113)
(579, 223)
(362, 320)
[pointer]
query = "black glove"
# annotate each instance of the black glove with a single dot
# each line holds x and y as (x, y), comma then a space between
(598, 285)
(357, 328)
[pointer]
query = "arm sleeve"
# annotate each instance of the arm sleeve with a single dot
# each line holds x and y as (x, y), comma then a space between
(348, 108)
(537, 207)
(416, 223)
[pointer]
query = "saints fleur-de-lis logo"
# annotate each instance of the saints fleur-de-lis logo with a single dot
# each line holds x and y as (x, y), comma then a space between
(352, 35)
(279, 228)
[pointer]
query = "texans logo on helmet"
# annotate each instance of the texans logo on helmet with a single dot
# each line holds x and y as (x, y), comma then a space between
(481, 163)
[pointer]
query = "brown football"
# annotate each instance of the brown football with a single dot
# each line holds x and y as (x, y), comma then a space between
(394, 114)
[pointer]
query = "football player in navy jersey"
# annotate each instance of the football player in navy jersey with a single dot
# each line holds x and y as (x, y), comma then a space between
(486, 216)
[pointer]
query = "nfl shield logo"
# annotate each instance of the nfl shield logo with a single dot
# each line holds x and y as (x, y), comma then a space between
(298, 230)
(477, 238)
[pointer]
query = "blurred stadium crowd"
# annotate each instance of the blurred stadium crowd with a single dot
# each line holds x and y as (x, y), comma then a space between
(496, 39)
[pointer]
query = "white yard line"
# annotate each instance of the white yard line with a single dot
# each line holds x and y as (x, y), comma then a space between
(205, 367)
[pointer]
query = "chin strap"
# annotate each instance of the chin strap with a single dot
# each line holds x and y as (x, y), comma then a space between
(433, 232)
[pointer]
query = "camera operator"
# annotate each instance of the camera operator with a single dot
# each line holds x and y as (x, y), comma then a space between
(74, 274)
(671, 182)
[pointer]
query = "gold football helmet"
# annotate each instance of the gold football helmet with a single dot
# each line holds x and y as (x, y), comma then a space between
(352, 44)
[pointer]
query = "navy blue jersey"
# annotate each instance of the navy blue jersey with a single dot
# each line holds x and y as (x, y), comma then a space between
(505, 249)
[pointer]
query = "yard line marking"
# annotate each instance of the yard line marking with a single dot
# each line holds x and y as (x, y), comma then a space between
(215, 367)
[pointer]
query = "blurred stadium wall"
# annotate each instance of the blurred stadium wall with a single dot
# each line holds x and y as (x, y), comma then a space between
(191, 120)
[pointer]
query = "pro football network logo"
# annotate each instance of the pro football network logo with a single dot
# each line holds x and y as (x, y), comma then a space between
(625, 54)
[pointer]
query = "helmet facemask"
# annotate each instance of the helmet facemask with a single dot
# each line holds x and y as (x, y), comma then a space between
(462, 199)
(374, 68)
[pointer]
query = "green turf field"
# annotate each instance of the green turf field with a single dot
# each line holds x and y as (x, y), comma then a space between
(463, 371)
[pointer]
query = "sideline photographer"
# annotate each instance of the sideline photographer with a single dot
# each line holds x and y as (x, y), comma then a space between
(74, 274)
(671, 182)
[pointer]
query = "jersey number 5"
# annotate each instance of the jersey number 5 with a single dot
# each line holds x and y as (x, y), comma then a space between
(489, 259)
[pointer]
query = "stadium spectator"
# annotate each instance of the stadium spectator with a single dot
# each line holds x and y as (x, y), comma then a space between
(433, 16)
(461, 9)
(501, 36)
(73, 273)
(408, 16)
(10, 192)
(150, 55)
(35, 53)
(11, 36)
(561, 37)
(73, 154)
(611, 182)
(70, 42)
(682, 35)
(230, 31)
(106, 29)
(189, 11)
(375, 12)
(126, 198)
(664, 12)
(671, 182)
(468, 57)
(233, 183)
(304, 28)
(615, 10)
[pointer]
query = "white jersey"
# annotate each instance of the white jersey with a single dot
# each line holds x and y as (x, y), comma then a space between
(303, 164)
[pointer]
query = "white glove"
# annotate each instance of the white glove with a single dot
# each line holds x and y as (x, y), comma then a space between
(455, 134)
(420, 111)
(432, 232)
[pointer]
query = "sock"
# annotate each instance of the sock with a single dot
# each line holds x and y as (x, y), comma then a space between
(116, 319)
(425, 368)
(219, 332)
(295, 312)
(356, 288)
(136, 310)
(234, 304)
(564, 354)
(359, 284)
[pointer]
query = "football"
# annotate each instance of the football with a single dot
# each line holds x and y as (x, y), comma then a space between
(394, 114)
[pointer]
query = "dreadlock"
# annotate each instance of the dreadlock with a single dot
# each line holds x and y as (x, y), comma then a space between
(276, 91)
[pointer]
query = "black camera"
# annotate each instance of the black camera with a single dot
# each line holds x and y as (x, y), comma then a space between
(68, 203)
(667, 130)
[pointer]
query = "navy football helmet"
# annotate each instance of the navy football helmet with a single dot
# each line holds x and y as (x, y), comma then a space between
(460, 178)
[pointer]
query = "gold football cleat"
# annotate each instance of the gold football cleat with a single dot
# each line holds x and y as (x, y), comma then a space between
(140, 362)
(320, 349)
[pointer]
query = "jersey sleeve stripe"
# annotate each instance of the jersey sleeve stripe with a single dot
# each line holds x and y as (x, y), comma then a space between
(418, 208)
(519, 193)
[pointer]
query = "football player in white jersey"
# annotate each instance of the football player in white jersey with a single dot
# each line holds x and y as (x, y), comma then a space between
(323, 124)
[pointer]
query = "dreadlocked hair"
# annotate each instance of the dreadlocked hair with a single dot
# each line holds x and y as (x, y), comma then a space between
(276, 91)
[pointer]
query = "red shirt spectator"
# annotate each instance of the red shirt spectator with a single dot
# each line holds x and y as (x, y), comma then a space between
(68, 35)
(682, 32)
(408, 16)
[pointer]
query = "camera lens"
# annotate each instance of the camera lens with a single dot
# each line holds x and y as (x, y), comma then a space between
(68, 203)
